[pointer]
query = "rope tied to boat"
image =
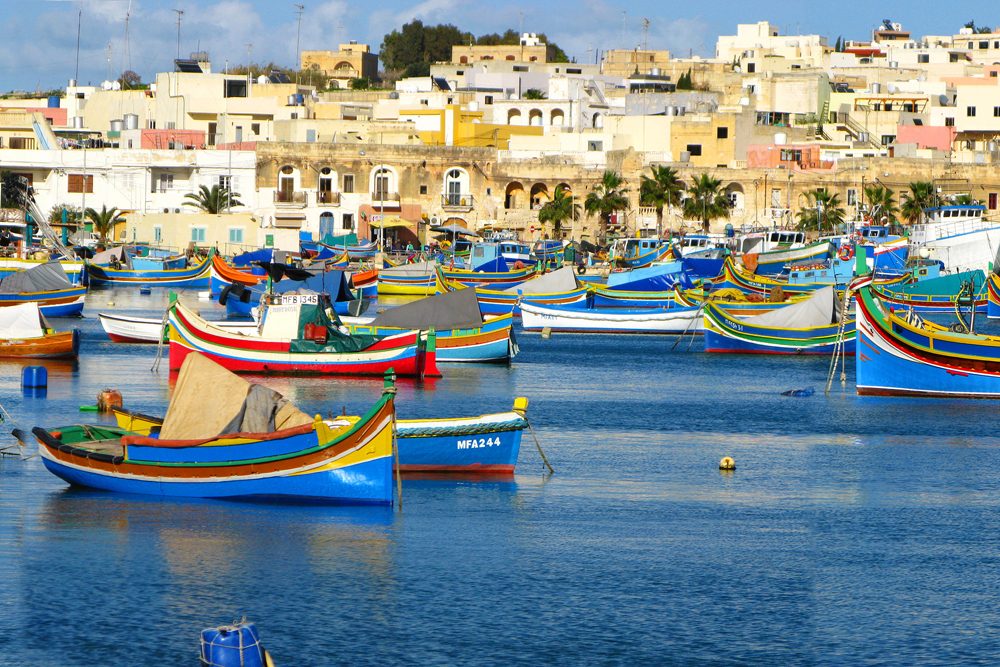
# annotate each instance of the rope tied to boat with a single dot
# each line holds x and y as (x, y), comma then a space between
(159, 342)
(839, 345)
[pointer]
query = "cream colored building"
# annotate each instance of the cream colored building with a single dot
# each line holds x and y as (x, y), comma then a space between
(626, 62)
(230, 233)
(349, 61)
(529, 50)
(757, 40)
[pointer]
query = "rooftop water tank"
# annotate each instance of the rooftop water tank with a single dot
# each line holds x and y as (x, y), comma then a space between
(131, 121)
(53, 101)
(876, 88)
(117, 125)
(77, 122)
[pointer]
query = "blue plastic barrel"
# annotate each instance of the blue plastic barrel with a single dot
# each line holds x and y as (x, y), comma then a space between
(232, 646)
(34, 376)
(53, 101)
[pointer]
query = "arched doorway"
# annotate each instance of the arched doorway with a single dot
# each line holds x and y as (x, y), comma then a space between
(557, 118)
(514, 117)
(535, 117)
(539, 195)
(513, 195)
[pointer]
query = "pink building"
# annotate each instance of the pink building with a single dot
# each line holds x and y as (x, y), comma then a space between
(173, 139)
(789, 156)
(926, 136)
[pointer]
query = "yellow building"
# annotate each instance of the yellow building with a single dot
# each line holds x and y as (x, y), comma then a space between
(349, 61)
(530, 50)
(454, 126)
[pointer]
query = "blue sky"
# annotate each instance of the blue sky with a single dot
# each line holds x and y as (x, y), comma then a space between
(39, 46)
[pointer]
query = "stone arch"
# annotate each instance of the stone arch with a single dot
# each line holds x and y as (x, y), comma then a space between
(737, 198)
(513, 195)
(557, 118)
(539, 195)
(456, 188)
(383, 178)
(514, 117)
(288, 183)
(597, 122)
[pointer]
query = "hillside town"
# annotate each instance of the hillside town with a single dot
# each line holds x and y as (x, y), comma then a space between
(772, 125)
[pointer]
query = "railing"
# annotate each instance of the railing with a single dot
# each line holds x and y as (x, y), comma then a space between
(382, 195)
(457, 201)
(328, 198)
(296, 197)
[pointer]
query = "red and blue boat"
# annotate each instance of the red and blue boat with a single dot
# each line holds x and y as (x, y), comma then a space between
(196, 276)
(242, 441)
(556, 288)
(45, 285)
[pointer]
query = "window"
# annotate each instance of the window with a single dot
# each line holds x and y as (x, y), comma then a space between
(970, 111)
(255, 128)
(163, 183)
(198, 234)
(984, 45)
(949, 122)
(348, 222)
(348, 183)
(488, 99)
(791, 155)
(423, 189)
(775, 197)
(236, 235)
(694, 149)
(996, 112)
(852, 197)
(226, 183)
(151, 124)
(887, 139)
(751, 68)
(595, 145)
(923, 58)
(574, 70)
(80, 183)
(22, 143)
(382, 183)
(722, 133)
(235, 88)
(453, 187)
(991, 201)
(213, 130)
(157, 234)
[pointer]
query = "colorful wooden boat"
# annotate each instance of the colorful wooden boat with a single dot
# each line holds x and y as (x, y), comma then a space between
(555, 288)
(635, 257)
(204, 449)
(487, 444)
(741, 279)
(150, 330)
(46, 285)
(196, 276)
(993, 296)
(772, 262)
(497, 280)
(297, 338)
(74, 268)
(364, 283)
(25, 335)
(943, 294)
(806, 327)
(418, 279)
(576, 319)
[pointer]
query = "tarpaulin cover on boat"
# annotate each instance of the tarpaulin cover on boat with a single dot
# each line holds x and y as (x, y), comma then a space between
(42, 278)
(345, 240)
(21, 321)
(448, 310)
(816, 311)
(410, 270)
(288, 322)
(949, 285)
(209, 401)
(560, 280)
(104, 257)
(331, 282)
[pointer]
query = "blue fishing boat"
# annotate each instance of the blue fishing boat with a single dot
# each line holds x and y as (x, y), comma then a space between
(196, 276)
(631, 253)
(993, 296)
(47, 286)
(654, 278)
(238, 441)
(810, 326)
(554, 288)
(241, 295)
(944, 294)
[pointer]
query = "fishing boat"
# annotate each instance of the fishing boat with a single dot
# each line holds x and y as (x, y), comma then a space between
(658, 277)
(959, 236)
(238, 441)
(772, 262)
(46, 285)
(298, 337)
(577, 318)
(417, 279)
(964, 290)
(901, 354)
(811, 326)
(497, 280)
(637, 253)
(993, 296)
(24, 334)
(74, 268)
(486, 444)
(739, 278)
(554, 288)
(462, 333)
(196, 276)
(151, 330)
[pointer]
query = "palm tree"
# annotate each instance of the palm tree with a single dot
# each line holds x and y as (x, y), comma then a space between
(560, 209)
(708, 201)
(104, 220)
(216, 200)
(662, 189)
(963, 200)
(882, 203)
(534, 94)
(920, 196)
(608, 196)
(824, 210)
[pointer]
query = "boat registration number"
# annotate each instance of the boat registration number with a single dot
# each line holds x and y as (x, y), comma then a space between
(478, 443)
(292, 299)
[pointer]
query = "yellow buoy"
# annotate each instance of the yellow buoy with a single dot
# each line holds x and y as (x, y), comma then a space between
(727, 463)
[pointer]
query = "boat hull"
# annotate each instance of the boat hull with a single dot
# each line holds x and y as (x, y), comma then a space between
(613, 321)
(193, 277)
(56, 303)
(62, 345)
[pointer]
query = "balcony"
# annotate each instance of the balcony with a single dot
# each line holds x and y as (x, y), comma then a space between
(327, 198)
(290, 198)
(384, 195)
(457, 202)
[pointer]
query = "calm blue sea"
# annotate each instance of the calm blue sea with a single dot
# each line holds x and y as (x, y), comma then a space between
(855, 530)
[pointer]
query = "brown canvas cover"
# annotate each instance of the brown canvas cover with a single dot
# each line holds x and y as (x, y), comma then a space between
(209, 400)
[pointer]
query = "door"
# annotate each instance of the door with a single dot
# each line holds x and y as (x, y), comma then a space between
(454, 193)
(325, 225)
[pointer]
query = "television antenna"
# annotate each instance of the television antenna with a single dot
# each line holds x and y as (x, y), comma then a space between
(645, 34)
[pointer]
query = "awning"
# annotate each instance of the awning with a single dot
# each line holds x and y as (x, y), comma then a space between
(289, 219)
(390, 223)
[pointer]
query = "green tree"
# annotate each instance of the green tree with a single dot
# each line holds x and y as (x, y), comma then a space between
(415, 46)
(824, 211)
(661, 189)
(558, 210)
(214, 200)
(104, 220)
(14, 191)
(707, 201)
(881, 203)
(920, 196)
(73, 215)
(684, 82)
(607, 197)
(963, 200)
(533, 94)
(361, 83)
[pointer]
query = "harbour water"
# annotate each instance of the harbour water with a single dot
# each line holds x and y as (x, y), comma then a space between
(854, 530)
